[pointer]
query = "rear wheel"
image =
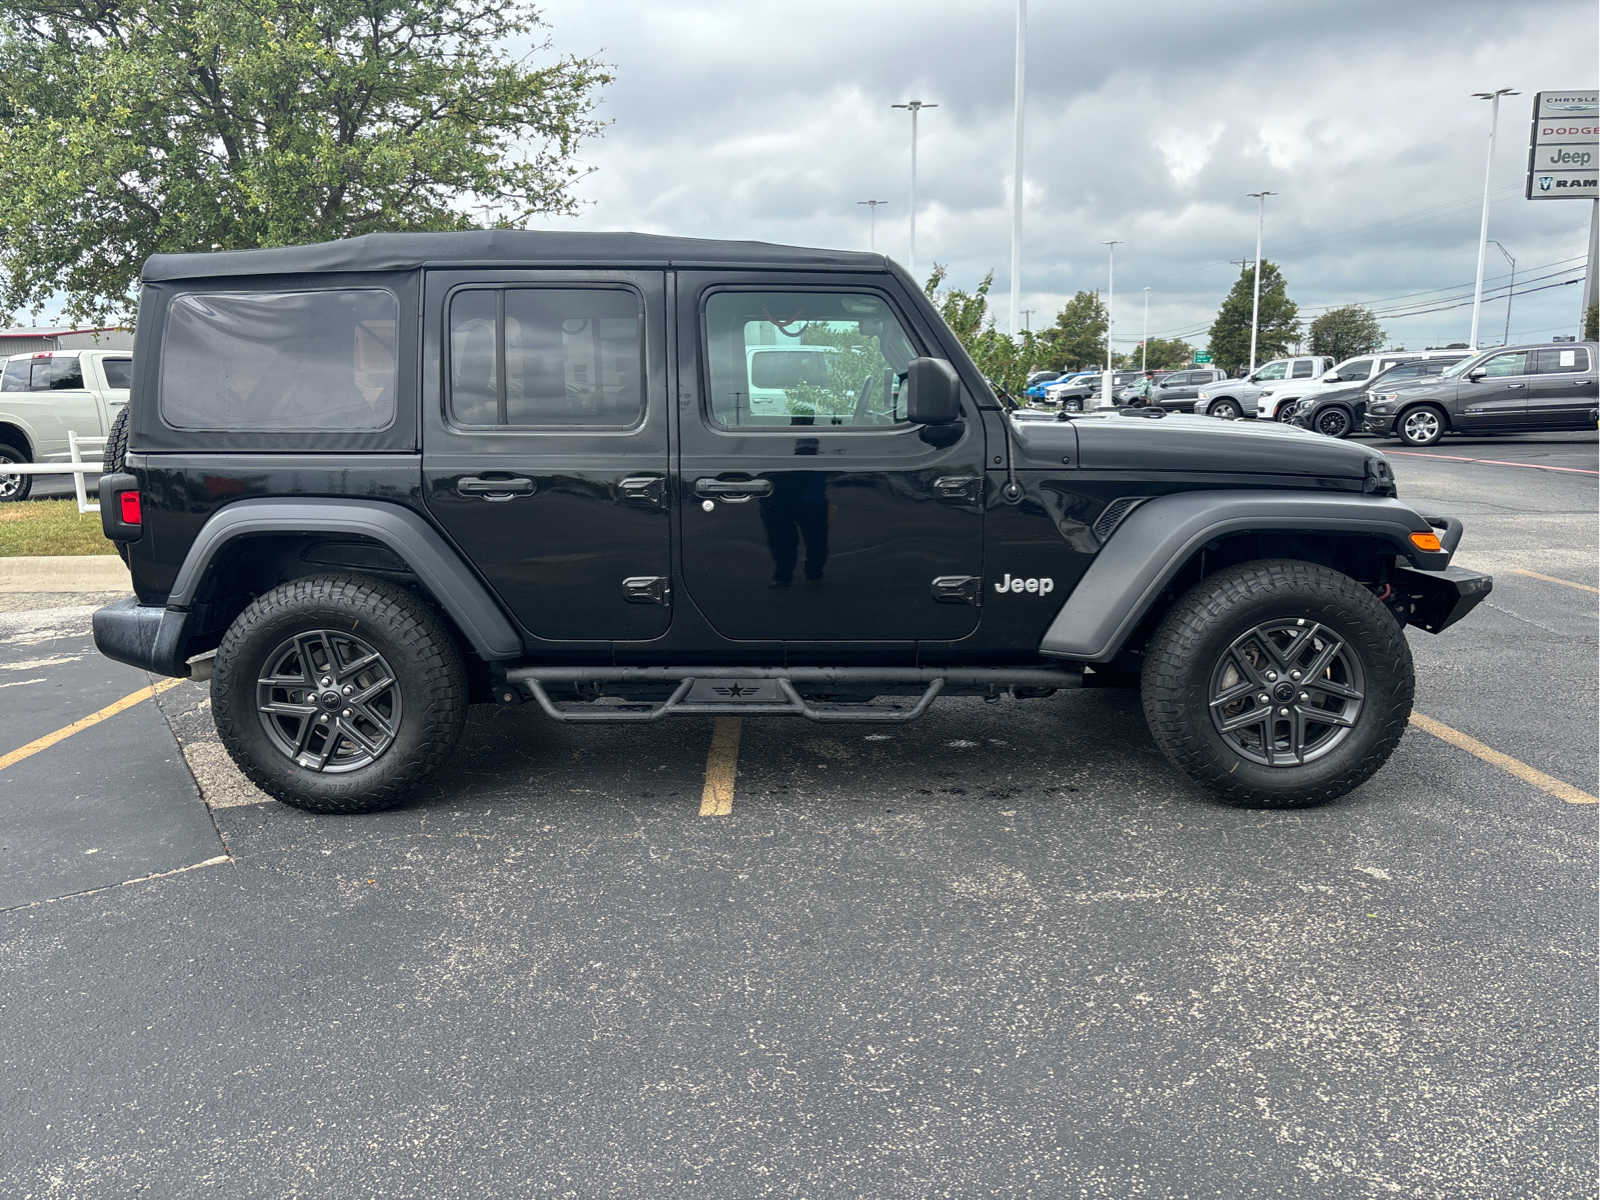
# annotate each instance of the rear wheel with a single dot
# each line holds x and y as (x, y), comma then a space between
(1285, 412)
(1335, 422)
(338, 694)
(116, 457)
(1420, 426)
(1278, 683)
(1227, 410)
(13, 487)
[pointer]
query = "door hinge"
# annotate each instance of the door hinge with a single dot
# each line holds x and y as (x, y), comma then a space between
(956, 589)
(645, 491)
(647, 589)
(965, 488)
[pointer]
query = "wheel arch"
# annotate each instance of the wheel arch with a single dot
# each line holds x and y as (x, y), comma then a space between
(1167, 544)
(16, 435)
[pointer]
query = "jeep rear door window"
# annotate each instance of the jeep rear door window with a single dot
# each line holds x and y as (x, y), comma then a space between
(119, 372)
(530, 358)
(782, 359)
(293, 361)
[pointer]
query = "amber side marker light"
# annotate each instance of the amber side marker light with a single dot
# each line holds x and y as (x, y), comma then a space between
(1426, 541)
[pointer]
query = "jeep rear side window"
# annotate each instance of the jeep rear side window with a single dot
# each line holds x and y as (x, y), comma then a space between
(270, 361)
(571, 357)
(776, 360)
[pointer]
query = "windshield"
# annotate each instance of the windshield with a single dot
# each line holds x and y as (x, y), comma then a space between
(1458, 368)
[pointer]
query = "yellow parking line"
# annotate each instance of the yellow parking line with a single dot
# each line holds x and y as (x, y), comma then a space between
(1552, 579)
(722, 761)
(1547, 783)
(94, 718)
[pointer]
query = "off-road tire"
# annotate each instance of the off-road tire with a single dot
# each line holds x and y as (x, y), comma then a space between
(414, 641)
(115, 458)
(1225, 410)
(1411, 436)
(1203, 623)
(11, 454)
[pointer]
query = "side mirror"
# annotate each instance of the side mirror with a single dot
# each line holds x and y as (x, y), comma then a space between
(1476, 374)
(932, 392)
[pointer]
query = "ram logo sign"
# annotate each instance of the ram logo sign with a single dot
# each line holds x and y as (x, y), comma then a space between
(1564, 144)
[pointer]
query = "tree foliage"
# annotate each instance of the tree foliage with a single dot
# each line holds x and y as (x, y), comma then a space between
(1591, 323)
(1077, 340)
(1277, 328)
(131, 128)
(1342, 333)
(1160, 354)
(1004, 361)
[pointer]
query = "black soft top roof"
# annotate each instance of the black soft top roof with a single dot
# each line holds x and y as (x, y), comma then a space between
(498, 247)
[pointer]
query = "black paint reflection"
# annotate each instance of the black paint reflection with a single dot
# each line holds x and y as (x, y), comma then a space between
(796, 511)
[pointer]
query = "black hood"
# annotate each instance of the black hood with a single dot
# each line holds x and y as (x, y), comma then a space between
(1111, 442)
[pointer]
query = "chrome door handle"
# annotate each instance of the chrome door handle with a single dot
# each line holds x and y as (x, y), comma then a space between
(1511, 386)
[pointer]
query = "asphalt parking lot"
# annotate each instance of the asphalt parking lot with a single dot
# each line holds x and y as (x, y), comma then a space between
(1003, 951)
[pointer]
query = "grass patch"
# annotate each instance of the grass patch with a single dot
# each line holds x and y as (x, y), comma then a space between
(50, 527)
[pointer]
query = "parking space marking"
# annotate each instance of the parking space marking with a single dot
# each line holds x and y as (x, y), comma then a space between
(722, 763)
(1552, 579)
(1495, 462)
(1546, 783)
(78, 726)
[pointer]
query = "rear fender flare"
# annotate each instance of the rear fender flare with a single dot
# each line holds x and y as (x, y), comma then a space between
(436, 565)
(1153, 542)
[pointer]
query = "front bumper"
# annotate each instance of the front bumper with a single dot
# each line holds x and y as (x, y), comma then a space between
(1436, 600)
(142, 635)
(1377, 422)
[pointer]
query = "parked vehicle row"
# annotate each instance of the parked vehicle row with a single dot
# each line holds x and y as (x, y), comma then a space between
(50, 393)
(1339, 411)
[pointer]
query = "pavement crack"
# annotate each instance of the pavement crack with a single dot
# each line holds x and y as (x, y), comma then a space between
(111, 887)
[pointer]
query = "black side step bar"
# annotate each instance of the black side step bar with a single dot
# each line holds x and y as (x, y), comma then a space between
(757, 690)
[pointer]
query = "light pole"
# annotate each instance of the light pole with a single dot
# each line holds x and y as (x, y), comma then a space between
(1111, 295)
(1255, 305)
(914, 107)
(1144, 341)
(1016, 171)
(1510, 291)
(872, 221)
(1483, 230)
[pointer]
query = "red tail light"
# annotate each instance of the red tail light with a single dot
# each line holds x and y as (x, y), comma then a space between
(131, 512)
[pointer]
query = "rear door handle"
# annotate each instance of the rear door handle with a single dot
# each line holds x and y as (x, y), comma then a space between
(495, 489)
(1512, 386)
(733, 490)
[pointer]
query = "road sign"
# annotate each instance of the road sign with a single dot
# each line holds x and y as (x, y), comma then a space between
(1202, 357)
(1564, 147)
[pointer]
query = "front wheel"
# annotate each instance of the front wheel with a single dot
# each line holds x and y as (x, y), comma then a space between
(13, 487)
(1225, 410)
(1278, 683)
(1420, 426)
(1334, 422)
(337, 693)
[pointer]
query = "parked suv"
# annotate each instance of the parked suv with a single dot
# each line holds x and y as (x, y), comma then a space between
(1176, 391)
(1074, 395)
(1510, 389)
(1339, 411)
(365, 483)
(48, 394)
(1233, 398)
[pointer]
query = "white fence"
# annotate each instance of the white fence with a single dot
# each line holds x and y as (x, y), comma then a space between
(77, 467)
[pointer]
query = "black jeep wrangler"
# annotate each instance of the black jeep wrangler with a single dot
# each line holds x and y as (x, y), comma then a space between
(366, 483)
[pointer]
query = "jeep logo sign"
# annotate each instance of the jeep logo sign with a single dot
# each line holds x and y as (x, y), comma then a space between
(1564, 146)
(1039, 587)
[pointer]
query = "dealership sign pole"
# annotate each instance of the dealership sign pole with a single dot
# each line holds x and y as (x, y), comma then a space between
(1564, 162)
(1483, 229)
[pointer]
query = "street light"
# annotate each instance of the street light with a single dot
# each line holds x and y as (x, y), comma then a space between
(913, 107)
(1255, 305)
(1111, 295)
(1505, 338)
(872, 221)
(1483, 230)
(1016, 173)
(1144, 342)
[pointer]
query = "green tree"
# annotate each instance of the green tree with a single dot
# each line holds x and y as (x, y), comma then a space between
(130, 128)
(1003, 360)
(1160, 354)
(1077, 340)
(1591, 323)
(1342, 333)
(1278, 326)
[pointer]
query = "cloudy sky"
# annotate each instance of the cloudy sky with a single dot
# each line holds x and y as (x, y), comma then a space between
(1146, 120)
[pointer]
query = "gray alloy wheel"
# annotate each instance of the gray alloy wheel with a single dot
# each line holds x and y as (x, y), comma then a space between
(1224, 410)
(1421, 426)
(328, 701)
(13, 487)
(1285, 412)
(1286, 692)
(1334, 422)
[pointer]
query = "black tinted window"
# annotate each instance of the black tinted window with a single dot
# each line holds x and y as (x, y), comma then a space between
(59, 373)
(571, 356)
(119, 372)
(1303, 369)
(280, 361)
(16, 376)
(1558, 361)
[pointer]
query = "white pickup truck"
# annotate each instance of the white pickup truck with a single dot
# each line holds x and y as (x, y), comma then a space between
(46, 395)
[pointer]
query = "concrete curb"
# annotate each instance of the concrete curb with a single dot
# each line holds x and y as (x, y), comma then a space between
(64, 573)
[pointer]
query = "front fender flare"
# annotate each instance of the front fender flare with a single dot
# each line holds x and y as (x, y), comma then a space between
(1153, 542)
(439, 568)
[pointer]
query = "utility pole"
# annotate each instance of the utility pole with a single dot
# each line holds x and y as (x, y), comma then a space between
(913, 107)
(1026, 313)
(1255, 305)
(872, 221)
(1144, 341)
(1505, 338)
(1483, 229)
(1111, 296)
(1016, 168)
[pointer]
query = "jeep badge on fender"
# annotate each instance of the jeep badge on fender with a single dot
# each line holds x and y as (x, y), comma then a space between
(365, 484)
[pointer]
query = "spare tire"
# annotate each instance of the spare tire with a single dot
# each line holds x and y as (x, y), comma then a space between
(116, 457)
